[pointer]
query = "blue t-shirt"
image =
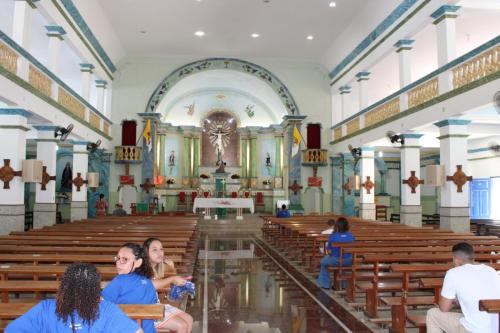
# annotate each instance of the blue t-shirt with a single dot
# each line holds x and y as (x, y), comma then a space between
(42, 318)
(132, 289)
(283, 213)
(339, 237)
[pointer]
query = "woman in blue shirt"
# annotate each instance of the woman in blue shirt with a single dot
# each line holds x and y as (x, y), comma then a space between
(77, 308)
(341, 234)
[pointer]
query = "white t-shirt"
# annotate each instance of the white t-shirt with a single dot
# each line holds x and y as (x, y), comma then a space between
(470, 283)
(327, 231)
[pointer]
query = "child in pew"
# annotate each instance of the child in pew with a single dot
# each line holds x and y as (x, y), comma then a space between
(132, 285)
(465, 285)
(77, 308)
(341, 234)
(162, 265)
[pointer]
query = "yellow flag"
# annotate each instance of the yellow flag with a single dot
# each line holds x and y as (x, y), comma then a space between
(296, 140)
(147, 134)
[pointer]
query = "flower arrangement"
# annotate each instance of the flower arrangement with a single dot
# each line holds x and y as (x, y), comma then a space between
(266, 182)
(170, 181)
(204, 176)
(235, 176)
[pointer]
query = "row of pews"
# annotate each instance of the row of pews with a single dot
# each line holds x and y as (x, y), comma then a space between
(397, 271)
(32, 262)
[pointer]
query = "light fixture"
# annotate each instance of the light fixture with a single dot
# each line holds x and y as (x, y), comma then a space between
(142, 31)
(310, 37)
(32, 171)
(93, 180)
(332, 4)
(255, 35)
(380, 154)
(434, 175)
(199, 33)
(230, 120)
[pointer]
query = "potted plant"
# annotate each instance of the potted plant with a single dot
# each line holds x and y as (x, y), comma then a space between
(170, 182)
(267, 183)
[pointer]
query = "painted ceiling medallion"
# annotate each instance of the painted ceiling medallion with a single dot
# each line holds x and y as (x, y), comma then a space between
(250, 110)
(190, 109)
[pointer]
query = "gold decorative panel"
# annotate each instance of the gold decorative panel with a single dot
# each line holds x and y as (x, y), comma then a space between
(480, 66)
(71, 103)
(8, 58)
(106, 128)
(337, 133)
(40, 81)
(382, 112)
(94, 120)
(423, 93)
(315, 156)
(353, 126)
(128, 153)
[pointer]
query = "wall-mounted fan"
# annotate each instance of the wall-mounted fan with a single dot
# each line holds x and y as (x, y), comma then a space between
(63, 132)
(356, 152)
(92, 146)
(496, 101)
(395, 138)
(494, 147)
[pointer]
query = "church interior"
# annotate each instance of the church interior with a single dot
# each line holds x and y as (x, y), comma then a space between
(234, 132)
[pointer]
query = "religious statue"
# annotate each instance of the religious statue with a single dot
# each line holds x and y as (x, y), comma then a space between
(219, 133)
(66, 178)
(171, 158)
(268, 160)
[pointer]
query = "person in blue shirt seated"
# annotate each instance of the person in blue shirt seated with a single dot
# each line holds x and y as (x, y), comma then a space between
(283, 212)
(77, 308)
(133, 283)
(341, 234)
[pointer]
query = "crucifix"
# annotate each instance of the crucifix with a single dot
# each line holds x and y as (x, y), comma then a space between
(295, 187)
(7, 173)
(413, 181)
(459, 178)
(147, 185)
(46, 178)
(78, 181)
(368, 184)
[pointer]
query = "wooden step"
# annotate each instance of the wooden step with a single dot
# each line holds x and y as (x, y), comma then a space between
(412, 300)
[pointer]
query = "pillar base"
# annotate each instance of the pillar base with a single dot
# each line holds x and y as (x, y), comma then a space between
(367, 211)
(11, 218)
(44, 214)
(78, 210)
(455, 219)
(411, 215)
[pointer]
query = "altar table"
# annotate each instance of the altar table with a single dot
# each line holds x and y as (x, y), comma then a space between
(238, 203)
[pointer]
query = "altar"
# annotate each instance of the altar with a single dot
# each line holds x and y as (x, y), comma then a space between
(238, 203)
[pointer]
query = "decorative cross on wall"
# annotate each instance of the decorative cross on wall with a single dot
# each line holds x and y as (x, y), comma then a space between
(459, 178)
(46, 178)
(413, 181)
(347, 187)
(147, 185)
(7, 173)
(295, 187)
(78, 181)
(368, 185)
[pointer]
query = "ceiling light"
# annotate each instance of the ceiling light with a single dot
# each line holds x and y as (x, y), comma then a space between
(142, 31)
(332, 4)
(255, 35)
(380, 154)
(310, 37)
(199, 33)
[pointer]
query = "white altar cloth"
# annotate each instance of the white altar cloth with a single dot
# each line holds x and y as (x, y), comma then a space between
(209, 203)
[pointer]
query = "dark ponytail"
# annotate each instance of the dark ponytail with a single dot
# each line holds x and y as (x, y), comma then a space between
(139, 253)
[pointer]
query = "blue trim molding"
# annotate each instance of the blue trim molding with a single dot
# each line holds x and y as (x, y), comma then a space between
(101, 83)
(411, 135)
(15, 112)
(456, 122)
(19, 49)
(81, 143)
(55, 31)
(45, 128)
(363, 75)
(478, 150)
(86, 67)
(444, 10)
(77, 17)
(223, 63)
(404, 43)
(379, 30)
(345, 89)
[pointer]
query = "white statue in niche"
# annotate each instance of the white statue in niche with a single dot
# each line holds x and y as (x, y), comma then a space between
(219, 133)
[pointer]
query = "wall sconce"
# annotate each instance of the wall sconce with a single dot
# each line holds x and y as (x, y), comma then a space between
(434, 175)
(93, 180)
(31, 172)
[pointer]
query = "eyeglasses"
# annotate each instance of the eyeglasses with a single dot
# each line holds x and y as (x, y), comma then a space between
(121, 260)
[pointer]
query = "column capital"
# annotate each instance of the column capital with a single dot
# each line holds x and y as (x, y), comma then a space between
(31, 3)
(101, 83)
(404, 45)
(55, 31)
(363, 76)
(444, 12)
(450, 122)
(86, 67)
(345, 89)
(45, 128)
(412, 140)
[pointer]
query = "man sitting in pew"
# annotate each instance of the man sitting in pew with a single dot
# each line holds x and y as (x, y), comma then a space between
(77, 308)
(119, 211)
(341, 234)
(465, 285)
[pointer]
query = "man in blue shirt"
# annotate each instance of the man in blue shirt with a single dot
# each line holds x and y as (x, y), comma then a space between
(63, 315)
(341, 234)
(283, 212)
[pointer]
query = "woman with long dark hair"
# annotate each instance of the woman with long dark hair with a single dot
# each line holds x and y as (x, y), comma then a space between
(77, 308)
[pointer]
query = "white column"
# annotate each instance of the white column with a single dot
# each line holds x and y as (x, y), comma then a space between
(55, 34)
(344, 100)
(403, 48)
(21, 32)
(362, 77)
(80, 165)
(101, 91)
(367, 177)
(87, 70)
(13, 128)
(410, 209)
(45, 201)
(454, 206)
(444, 19)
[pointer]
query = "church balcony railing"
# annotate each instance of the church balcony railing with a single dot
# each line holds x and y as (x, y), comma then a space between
(469, 71)
(20, 67)
(128, 154)
(314, 157)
